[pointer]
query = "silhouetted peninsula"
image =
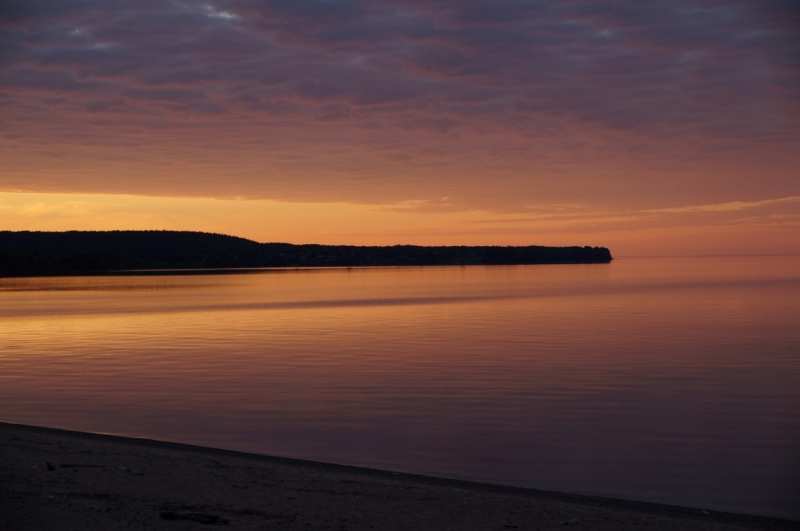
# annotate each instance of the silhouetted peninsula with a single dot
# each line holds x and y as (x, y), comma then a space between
(93, 252)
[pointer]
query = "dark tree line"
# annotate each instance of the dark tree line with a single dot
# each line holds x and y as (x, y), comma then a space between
(74, 252)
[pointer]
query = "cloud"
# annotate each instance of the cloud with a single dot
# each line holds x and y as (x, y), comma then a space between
(476, 84)
(732, 206)
(658, 66)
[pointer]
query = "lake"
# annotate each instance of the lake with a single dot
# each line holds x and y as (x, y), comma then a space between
(666, 380)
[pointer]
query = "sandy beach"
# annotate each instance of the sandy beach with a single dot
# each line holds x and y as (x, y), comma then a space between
(55, 479)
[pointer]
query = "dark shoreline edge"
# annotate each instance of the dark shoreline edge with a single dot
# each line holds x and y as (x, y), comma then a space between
(24, 254)
(582, 499)
(213, 271)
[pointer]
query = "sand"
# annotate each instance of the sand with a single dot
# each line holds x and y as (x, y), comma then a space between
(62, 480)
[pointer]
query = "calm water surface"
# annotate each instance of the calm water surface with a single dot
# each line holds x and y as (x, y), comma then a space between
(668, 380)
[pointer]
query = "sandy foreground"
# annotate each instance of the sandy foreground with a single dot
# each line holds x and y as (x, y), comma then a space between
(62, 480)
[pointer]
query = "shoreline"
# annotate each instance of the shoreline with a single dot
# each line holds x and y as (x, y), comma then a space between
(98, 481)
(256, 270)
(102, 252)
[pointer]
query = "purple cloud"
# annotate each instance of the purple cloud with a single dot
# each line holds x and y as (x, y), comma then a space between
(516, 75)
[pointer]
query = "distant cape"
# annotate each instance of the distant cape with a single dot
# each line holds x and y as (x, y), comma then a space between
(139, 252)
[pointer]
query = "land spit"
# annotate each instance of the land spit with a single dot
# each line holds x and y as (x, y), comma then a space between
(24, 254)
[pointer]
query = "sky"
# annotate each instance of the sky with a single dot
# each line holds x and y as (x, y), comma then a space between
(652, 128)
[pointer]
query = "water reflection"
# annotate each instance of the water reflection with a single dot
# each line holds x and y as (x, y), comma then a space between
(666, 380)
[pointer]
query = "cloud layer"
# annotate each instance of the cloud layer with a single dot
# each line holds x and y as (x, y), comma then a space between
(495, 104)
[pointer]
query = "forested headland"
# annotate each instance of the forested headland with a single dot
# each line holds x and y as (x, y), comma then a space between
(137, 252)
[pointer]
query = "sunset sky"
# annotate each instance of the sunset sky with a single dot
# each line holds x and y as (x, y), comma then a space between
(648, 127)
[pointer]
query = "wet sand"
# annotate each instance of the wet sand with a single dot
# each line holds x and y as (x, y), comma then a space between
(62, 480)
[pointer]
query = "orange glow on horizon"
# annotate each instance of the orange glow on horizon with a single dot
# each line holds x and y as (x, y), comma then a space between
(765, 227)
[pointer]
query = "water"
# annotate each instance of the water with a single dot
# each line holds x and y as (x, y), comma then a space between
(667, 380)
